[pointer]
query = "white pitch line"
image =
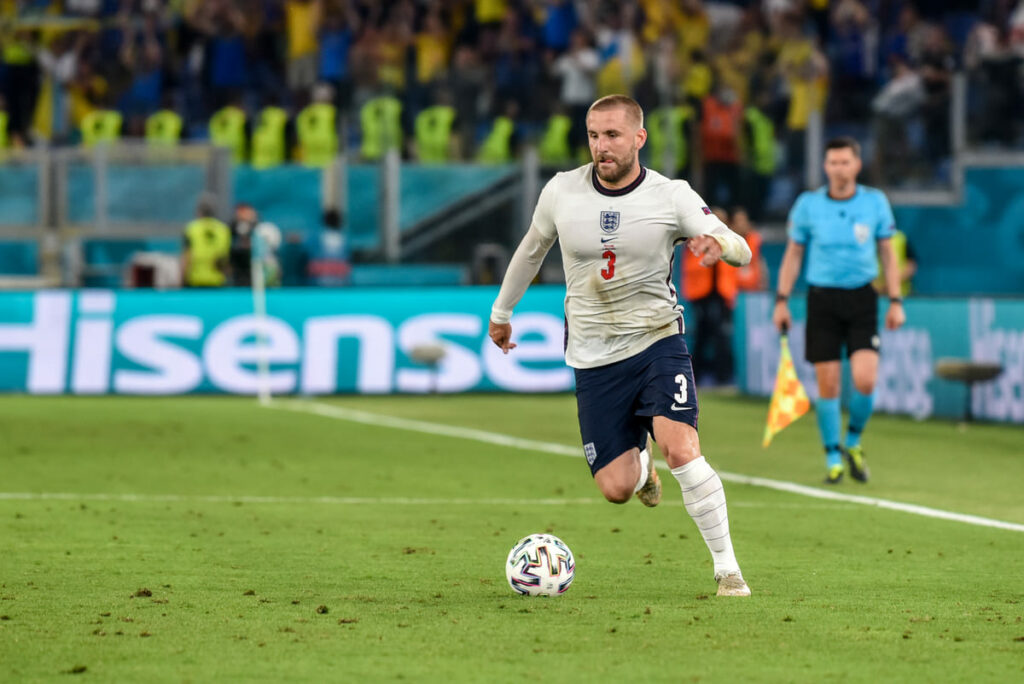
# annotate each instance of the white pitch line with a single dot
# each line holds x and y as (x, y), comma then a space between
(367, 418)
(352, 500)
(248, 499)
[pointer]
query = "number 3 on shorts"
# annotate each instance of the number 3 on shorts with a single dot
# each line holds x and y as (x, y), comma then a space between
(680, 396)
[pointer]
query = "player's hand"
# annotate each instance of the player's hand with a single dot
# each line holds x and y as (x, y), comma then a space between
(501, 334)
(895, 317)
(781, 317)
(705, 247)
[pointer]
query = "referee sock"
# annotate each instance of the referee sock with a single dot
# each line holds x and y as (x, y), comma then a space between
(861, 407)
(704, 500)
(645, 467)
(827, 411)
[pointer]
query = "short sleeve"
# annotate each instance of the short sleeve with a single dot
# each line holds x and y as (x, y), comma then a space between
(886, 226)
(544, 213)
(693, 215)
(798, 227)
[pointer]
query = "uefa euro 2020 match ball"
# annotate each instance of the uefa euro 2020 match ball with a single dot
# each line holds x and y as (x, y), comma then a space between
(540, 565)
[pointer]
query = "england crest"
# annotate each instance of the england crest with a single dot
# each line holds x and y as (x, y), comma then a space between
(609, 221)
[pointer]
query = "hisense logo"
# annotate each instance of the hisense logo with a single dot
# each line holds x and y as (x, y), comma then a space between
(82, 344)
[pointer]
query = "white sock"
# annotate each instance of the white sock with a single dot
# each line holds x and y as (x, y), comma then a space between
(704, 500)
(645, 466)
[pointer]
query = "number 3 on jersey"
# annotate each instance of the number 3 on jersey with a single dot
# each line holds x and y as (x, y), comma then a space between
(608, 272)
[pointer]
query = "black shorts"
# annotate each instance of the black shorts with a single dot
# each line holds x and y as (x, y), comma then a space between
(616, 403)
(838, 317)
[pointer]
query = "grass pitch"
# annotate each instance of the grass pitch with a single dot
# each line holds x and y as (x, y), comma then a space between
(209, 539)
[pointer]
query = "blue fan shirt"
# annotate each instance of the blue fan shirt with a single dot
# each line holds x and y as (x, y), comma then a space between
(841, 235)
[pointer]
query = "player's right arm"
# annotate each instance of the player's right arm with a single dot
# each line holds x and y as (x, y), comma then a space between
(522, 269)
(789, 271)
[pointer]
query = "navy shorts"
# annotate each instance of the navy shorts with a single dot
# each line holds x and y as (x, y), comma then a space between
(616, 403)
(838, 318)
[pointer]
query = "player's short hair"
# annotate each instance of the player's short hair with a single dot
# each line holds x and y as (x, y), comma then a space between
(843, 142)
(632, 107)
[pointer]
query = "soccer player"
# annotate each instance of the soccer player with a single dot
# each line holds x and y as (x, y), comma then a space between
(842, 226)
(618, 224)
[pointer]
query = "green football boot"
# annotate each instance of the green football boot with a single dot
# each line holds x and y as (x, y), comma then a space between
(834, 475)
(855, 462)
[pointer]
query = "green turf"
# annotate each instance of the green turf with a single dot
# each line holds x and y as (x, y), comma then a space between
(414, 591)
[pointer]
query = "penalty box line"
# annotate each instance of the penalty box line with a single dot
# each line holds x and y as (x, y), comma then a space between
(498, 439)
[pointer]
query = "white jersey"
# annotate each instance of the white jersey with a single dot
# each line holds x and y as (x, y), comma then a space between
(617, 250)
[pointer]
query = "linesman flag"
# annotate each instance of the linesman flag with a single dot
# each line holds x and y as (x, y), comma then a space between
(789, 400)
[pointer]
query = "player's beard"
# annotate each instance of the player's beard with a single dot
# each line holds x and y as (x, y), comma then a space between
(621, 168)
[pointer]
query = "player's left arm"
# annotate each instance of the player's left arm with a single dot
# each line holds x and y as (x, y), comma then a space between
(707, 237)
(895, 316)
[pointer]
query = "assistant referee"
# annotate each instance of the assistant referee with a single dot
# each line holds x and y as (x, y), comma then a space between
(843, 227)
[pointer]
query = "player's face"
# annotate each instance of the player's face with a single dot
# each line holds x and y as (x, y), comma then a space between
(841, 166)
(614, 143)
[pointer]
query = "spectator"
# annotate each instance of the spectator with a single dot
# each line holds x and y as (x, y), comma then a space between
(142, 57)
(936, 71)
(517, 70)
(432, 53)
(467, 83)
(577, 68)
(897, 103)
(337, 33)
(21, 83)
(59, 62)
(711, 293)
(754, 276)
(560, 21)
(907, 38)
(906, 262)
(853, 60)
(330, 265)
(720, 124)
(3, 127)
(301, 21)
(760, 154)
(994, 66)
(266, 75)
(242, 226)
(205, 257)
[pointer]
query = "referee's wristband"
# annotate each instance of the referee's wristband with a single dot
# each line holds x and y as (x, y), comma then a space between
(779, 297)
(895, 300)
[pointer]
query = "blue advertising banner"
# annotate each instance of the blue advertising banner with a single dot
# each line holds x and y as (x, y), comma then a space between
(318, 341)
(362, 340)
(980, 329)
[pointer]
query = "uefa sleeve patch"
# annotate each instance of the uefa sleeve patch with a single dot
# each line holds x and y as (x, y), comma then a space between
(706, 210)
(590, 451)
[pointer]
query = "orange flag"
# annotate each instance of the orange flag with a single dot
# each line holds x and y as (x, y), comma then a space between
(789, 400)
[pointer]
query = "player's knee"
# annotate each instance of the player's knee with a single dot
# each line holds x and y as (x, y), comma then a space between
(617, 492)
(864, 384)
(678, 454)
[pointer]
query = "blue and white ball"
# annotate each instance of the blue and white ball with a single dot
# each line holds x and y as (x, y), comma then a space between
(540, 565)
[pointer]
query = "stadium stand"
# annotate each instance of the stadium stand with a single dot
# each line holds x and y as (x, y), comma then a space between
(886, 72)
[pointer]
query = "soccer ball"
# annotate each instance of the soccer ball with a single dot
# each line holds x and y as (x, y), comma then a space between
(540, 565)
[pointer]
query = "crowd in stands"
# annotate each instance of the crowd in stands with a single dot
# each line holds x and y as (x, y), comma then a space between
(219, 254)
(722, 81)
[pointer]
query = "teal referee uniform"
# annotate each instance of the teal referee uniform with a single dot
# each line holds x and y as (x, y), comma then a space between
(841, 237)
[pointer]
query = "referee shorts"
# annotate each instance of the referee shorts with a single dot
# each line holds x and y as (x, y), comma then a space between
(838, 317)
